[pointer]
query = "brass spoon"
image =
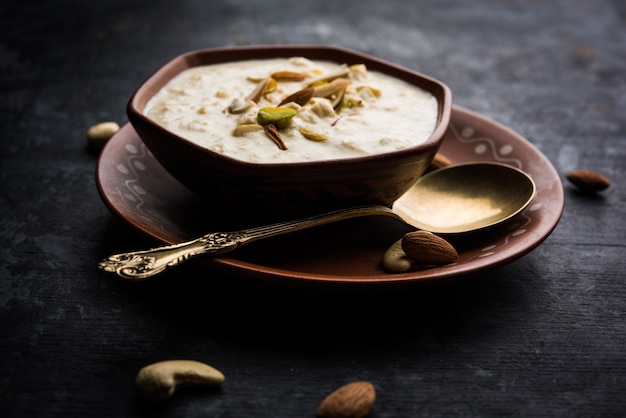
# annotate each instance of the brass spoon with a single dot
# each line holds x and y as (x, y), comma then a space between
(454, 200)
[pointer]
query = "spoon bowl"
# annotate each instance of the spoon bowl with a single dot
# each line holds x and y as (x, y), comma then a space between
(466, 198)
(454, 200)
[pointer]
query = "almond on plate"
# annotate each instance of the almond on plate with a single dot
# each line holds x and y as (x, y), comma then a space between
(429, 248)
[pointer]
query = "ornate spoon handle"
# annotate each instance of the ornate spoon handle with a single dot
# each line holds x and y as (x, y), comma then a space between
(141, 265)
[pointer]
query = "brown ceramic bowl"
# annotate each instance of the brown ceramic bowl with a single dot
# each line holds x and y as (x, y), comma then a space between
(287, 187)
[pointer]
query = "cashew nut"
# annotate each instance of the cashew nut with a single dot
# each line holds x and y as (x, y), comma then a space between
(160, 380)
(239, 105)
(100, 133)
(395, 260)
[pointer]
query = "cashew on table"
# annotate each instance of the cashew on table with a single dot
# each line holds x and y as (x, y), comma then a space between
(160, 380)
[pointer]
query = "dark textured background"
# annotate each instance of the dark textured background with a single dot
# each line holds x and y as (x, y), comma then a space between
(543, 336)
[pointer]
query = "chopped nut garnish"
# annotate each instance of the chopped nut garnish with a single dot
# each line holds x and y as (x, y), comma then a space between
(347, 102)
(343, 71)
(274, 114)
(334, 87)
(312, 136)
(323, 108)
(300, 97)
(272, 132)
(358, 71)
(263, 88)
(320, 110)
(241, 130)
(288, 76)
(239, 106)
(325, 97)
(368, 92)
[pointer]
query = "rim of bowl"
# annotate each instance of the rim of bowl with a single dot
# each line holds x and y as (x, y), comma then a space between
(151, 85)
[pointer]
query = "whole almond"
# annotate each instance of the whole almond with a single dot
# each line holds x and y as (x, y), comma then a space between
(354, 400)
(428, 248)
(588, 181)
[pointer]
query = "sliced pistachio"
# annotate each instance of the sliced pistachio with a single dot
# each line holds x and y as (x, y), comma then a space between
(283, 125)
(241, 130)
(318, 83)
(269, 115)
(288, 76)
(312, 136)
(270, 87)
(292, 105)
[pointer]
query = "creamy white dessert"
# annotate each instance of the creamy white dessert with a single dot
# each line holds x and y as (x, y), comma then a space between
(294, 110)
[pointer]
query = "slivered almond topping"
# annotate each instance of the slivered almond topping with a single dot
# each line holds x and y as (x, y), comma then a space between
(261, 89)
(272, 132)
(288, 76)
(300, 97)
(334, 87)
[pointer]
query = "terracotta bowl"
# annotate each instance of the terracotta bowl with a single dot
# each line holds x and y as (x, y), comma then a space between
(282, 188)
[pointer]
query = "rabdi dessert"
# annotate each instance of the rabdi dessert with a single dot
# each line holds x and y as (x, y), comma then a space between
(285, 110)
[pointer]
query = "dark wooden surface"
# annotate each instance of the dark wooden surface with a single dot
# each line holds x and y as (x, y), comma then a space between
(542, 336)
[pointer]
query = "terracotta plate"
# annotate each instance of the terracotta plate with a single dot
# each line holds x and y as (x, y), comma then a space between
(136, 188)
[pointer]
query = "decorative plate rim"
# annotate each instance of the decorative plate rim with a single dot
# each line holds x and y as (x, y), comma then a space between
(470, 137)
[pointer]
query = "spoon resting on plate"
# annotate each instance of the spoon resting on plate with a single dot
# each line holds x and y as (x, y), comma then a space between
(458, 199)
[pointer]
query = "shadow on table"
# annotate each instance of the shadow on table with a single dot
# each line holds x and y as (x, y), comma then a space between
(245, 312)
